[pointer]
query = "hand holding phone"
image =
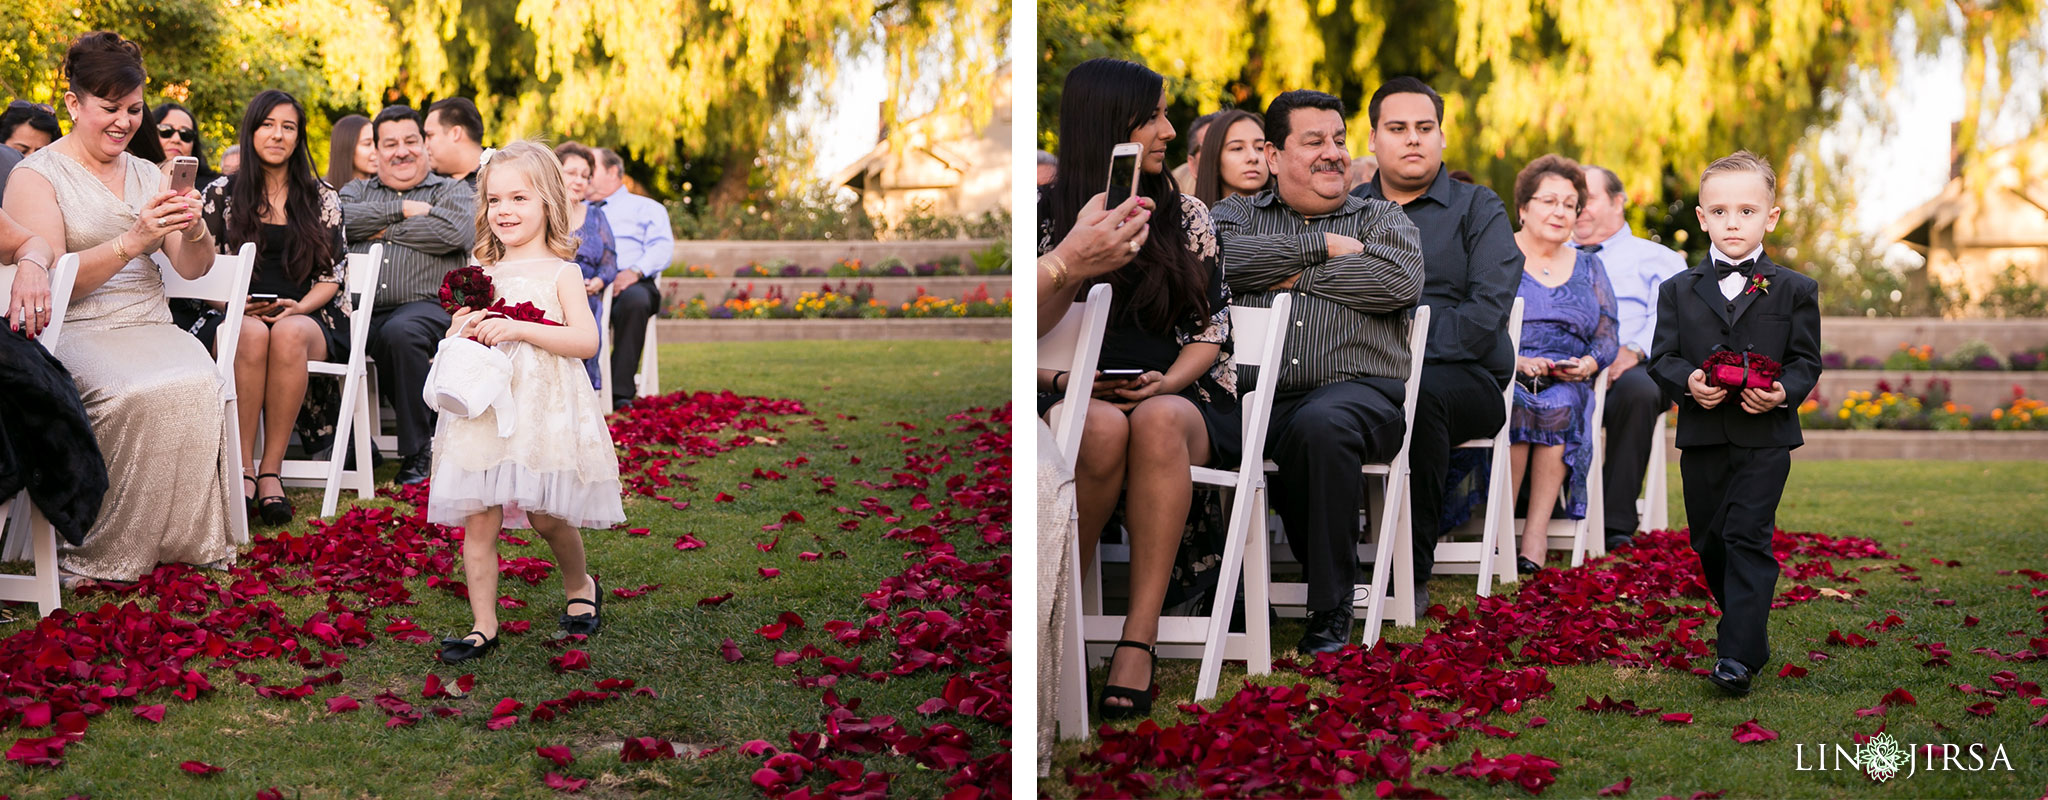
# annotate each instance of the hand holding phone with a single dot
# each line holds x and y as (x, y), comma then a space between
(1123, 172)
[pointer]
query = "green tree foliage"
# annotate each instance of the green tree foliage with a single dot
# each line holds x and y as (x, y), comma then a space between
(1652, 89)
(687, 90)
(212, 56)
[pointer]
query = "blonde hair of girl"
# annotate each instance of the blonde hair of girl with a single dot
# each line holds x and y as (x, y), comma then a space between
(544, 171)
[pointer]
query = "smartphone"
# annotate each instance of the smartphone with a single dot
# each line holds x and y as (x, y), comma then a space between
(262, 298)
(1123, 172)
(184, 171)
(1122, 373)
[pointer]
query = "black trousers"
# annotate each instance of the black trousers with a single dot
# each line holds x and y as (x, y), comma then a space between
(1320, 440)
(403, 340)
(631, 308)
(1455, 404)
(1633, 403)
(1731, 502)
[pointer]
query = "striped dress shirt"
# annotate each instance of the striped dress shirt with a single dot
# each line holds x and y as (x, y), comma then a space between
(1350, 317)
(418, 251)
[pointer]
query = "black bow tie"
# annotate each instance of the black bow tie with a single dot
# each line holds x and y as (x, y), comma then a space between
(1723, 269)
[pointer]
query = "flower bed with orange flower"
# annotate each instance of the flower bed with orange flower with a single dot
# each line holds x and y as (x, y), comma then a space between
(1930, 409)
(841, 301)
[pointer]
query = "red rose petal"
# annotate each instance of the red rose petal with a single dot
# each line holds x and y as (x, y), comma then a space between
(1677, 718)
(342, 704)
(769, 572)
(564, 785)
(199, 767)
(729, 650)
(1618, 789)
(570, 661)
(1750, 732)
(151, 713)
(557, 753)
(715, 600)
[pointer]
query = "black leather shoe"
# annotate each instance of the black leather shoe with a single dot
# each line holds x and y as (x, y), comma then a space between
(1421, 600)
(416, 468)
(1526, 567)
(1328, 631)
(585, 624)
(1616, 541)
(456, 651)
(1731, 676)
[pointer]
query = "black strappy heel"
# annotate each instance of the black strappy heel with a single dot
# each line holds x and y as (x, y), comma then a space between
(275, 509)
(1141, 699)
(585, 624)
(249, 501)
(456, 651)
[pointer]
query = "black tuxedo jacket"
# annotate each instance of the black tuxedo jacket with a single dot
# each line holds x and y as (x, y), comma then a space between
(1782, 322)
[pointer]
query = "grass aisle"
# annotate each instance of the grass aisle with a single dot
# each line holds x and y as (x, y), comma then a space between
(664, 641)
(1992, 602)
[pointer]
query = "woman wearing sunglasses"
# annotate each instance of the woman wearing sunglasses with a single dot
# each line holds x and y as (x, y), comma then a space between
(178, 130)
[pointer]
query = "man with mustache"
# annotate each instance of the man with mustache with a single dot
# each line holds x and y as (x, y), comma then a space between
(427, 224)
(1473, 267)
(1355, 269)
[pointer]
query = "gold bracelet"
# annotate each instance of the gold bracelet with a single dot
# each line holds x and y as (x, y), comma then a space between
(203, 231)
(1058, 270)
(121, 252)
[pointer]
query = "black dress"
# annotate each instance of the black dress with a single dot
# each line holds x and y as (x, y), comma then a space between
(1127, 345)
(318, 413)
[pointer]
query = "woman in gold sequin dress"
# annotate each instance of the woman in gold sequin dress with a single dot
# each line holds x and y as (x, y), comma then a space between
(153, 394)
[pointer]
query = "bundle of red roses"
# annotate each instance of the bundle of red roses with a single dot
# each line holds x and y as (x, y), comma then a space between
(1738, 371)
(468, 287)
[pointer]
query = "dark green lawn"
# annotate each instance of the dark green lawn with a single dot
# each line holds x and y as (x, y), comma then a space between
(1990, 517)
(662, 640)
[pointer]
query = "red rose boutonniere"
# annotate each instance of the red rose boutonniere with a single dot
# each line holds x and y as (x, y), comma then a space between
(1758, 283)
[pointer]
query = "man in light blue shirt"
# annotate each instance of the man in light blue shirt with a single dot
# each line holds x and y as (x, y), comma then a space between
(646, 243)
(1636, 267)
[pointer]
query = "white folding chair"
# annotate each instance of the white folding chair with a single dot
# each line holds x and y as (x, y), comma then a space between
(227, 282)
(1653, 512)
(1075, 344)
(27, 534)
(1257, 336)
(648, 380)
(353, 428)
(1493, 556)
(1389, 545)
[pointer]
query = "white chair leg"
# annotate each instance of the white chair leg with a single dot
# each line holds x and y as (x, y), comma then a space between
(1232, 564)
(1073, 685)
(1258, 572)
(649, 379)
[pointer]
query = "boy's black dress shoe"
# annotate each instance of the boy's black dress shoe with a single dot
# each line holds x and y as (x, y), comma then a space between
(1731, 676)
(1328, 631)
(1616, 541)
(416, 467)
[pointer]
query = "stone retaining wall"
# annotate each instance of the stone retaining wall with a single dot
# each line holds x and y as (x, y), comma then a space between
(894, 291)
(1855, 337)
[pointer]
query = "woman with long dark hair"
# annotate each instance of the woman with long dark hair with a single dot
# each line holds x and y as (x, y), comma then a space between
(278, 202)
(351, 151)
(1169, 318)
(1233, 158)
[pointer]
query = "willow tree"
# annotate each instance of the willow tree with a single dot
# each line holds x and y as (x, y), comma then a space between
(213, 56)
(685, 81)
(1651, 88)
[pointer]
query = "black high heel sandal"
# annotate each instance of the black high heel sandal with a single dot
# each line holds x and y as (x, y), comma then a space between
(456, 651)
(1141, 699)
(275, 509)
(249, 500)
(1526, 567)
(585, 624)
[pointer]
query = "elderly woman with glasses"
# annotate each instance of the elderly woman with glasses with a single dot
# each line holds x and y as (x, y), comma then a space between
(178, 130)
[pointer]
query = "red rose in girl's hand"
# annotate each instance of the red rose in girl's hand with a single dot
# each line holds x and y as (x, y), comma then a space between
(467, 287)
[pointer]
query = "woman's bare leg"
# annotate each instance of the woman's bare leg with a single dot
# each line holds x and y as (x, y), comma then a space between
(1167, 436)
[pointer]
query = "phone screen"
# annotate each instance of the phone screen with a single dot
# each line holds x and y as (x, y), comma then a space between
(1123, 173)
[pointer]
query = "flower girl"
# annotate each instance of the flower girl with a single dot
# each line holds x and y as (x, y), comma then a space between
(553, 464)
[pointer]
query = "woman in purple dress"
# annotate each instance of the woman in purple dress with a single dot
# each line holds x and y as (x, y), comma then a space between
(1568, 324)
(597, 253)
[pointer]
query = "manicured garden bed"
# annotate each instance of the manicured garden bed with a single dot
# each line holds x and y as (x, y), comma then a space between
(674, 331)
(892, 291)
